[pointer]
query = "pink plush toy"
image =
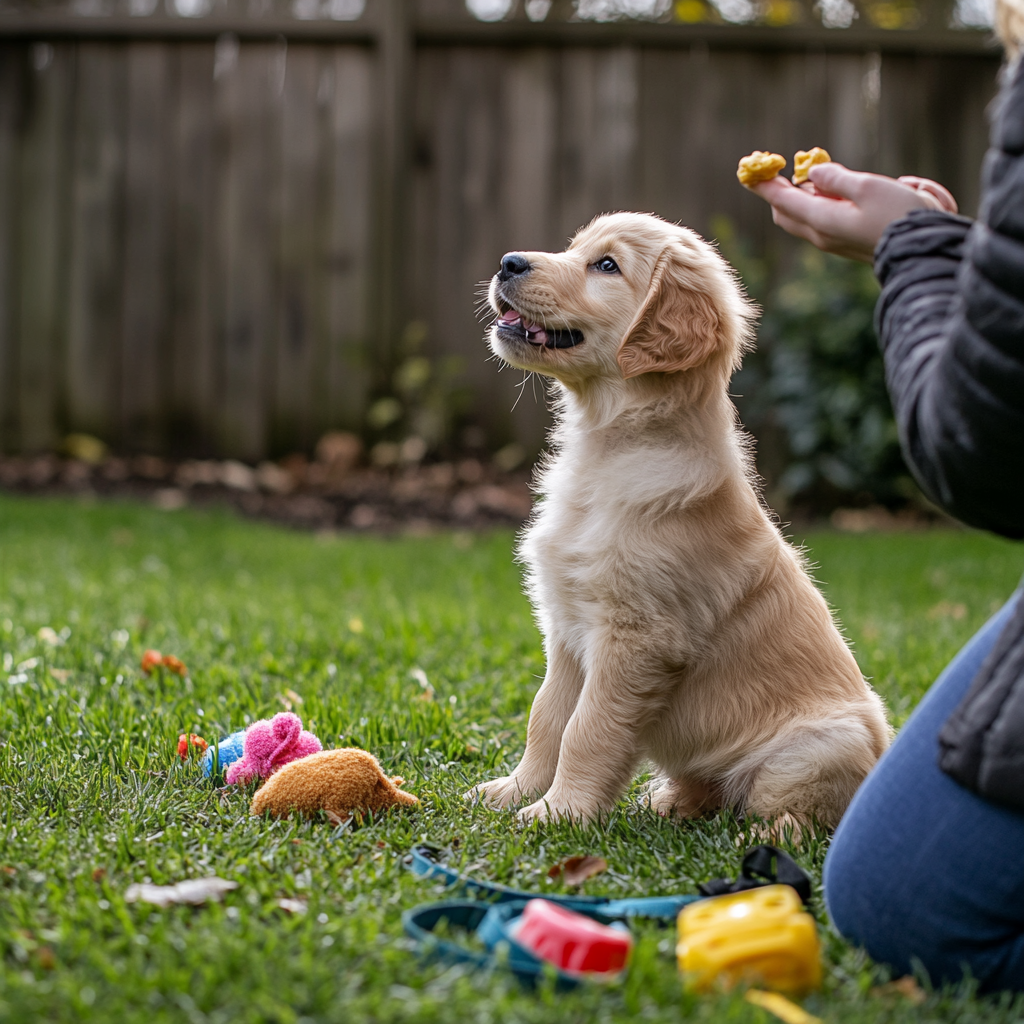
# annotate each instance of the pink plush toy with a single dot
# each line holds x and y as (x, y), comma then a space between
(271, 743)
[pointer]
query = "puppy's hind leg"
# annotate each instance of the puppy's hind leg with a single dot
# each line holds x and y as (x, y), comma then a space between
(810, 771)
(681, 798)
(552, 708)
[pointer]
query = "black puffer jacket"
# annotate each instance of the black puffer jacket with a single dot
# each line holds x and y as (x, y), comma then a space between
(951, 323)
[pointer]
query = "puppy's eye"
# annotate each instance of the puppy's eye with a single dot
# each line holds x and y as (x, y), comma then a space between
(607, 265)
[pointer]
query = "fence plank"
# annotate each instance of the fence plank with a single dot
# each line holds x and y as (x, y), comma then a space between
(300, 321)
(95, 285)
(598, 161)
(41, 246)
(13, 68)
(193, 400)
(853, 110)
(248, 98)
(349, 78)
(144, 351)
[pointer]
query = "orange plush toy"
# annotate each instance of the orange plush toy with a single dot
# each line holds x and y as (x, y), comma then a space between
(337, 782)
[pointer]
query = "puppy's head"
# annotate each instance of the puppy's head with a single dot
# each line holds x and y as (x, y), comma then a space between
(631, 295)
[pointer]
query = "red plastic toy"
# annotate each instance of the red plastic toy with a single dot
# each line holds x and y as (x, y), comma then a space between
(572, 941)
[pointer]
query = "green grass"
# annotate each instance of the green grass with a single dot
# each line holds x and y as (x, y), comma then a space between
(94, 798)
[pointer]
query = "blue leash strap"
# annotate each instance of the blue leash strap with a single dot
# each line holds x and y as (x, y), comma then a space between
(424, 862)
(491, 916)
(492, 923)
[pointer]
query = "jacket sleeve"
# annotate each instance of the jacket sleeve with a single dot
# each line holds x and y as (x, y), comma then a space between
(950, 320)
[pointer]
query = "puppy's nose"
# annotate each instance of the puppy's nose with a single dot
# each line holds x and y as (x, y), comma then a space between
(513, 264)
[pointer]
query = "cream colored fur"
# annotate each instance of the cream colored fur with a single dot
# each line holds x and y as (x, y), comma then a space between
(680, 628)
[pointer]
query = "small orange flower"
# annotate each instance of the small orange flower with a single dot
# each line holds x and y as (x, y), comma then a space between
(150, 660)
(175, 665)
(184, 742)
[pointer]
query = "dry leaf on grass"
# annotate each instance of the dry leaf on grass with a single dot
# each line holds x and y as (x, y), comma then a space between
(907, 987)
(292, 906)
(576, 870)
(195, 891)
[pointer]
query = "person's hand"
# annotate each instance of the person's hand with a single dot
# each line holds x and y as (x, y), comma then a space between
(845, 212)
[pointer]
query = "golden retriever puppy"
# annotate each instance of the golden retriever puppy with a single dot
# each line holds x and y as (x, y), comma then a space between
(680, 628)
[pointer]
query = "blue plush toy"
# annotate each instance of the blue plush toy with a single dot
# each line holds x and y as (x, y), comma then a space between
(227, 751)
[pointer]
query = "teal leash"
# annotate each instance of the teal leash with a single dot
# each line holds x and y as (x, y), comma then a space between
(492, 914)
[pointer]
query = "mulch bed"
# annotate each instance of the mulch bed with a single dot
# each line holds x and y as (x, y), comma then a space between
(468, 494)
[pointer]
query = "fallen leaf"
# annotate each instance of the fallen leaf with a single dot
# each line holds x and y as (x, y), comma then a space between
(907, 987)
(151, 659)
(45, 958)
(60, 674)
(191, 740)
(781, 1007)
(195, 891)
(576, 870)
(98, 874)
(9, 871)
(292, 906)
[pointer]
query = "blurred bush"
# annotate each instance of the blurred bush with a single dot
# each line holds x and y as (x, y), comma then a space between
(813, 393)
(424, 404)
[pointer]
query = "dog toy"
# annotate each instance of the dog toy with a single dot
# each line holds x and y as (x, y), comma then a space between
(227, 752)
(571, 941)
(759, 166)
(186, 740)
(269, 744)
(804, 161)
(758, 936)
(337, 782)
(152, 659)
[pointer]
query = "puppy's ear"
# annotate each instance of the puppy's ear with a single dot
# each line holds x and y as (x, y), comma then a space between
(678, 326)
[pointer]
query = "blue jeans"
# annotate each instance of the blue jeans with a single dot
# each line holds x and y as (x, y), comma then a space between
(921, 869)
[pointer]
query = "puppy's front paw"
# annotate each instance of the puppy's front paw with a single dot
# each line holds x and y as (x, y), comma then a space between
(547, 809)
(497, 793)
(538, 811)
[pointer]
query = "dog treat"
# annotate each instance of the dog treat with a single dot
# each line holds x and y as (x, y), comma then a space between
(803, 162)
(759, 166)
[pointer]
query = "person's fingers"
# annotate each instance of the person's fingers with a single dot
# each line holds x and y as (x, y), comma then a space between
(794, 202)
(797, 228)
(938, 192)
(769, 189)
(837, 180)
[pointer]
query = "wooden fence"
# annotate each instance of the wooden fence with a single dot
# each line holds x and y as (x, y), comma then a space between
(220, 234)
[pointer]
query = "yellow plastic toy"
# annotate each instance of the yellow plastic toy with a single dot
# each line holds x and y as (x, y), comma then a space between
(758, 937)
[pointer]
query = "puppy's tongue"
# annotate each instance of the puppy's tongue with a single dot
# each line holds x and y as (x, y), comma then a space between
(534, 331)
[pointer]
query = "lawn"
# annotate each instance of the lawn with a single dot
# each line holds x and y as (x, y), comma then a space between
(94, 797)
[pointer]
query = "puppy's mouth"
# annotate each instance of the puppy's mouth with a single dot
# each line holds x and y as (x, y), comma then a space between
(513, 324)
